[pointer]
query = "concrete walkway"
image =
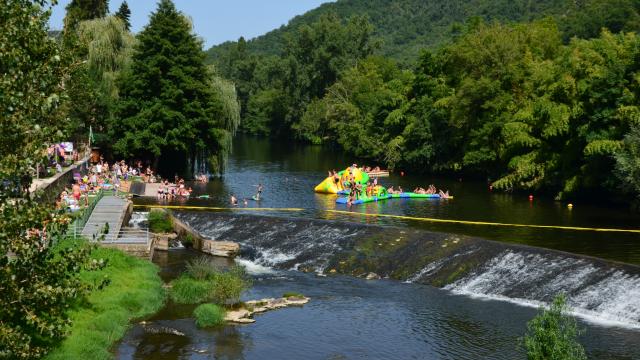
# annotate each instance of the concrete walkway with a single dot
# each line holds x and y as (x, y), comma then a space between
(41, 184)
(109, 210)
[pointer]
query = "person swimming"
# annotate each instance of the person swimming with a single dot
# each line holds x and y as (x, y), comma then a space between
(260, 188)
(233, 200)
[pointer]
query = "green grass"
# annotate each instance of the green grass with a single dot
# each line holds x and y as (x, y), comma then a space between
(201, 268)
(186, 290)
(204, 282)
(208, 315)
(292, 294)
(159, 222)
(133, 292)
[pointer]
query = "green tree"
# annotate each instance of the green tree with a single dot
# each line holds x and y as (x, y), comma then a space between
(628, 161)
(81, 10)
(124, 14)
(168, 111)
(107, 47)
(552, 335)
(316, 55)
(37, 283)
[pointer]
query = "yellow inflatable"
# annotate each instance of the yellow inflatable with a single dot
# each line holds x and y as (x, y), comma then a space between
(331, 186)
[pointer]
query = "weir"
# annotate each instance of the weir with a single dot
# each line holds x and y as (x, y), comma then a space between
(603, 291)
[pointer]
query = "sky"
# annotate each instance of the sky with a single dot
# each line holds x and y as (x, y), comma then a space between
(215, 21)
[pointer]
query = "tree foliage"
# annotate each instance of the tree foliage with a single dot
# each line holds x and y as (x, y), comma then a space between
(81, 10)
(552, 335)
(406, 27)
(168, 110)
(124, 13)
(37, 282)
(102, 50)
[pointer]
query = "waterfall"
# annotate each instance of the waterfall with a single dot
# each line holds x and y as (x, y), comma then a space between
(594, 291)
(601, 291)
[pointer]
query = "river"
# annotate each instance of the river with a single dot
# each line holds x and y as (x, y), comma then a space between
(352, 318)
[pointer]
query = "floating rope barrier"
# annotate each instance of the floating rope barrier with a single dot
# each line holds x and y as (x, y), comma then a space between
(213, 208)
(404, 217)
(467, 222)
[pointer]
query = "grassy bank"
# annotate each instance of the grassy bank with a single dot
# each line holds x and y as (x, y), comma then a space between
(134, 291)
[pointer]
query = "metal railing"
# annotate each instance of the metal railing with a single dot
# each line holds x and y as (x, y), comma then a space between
(127, 236)
(85, 214)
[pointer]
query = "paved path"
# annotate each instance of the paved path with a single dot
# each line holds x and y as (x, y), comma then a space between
(109, 210)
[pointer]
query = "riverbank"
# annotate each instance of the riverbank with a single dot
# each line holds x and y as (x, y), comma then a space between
(134, 290)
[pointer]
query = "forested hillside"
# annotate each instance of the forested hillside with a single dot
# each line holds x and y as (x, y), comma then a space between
(407, 26)
(547, 104)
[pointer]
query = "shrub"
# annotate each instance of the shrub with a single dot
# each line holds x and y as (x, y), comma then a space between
(204, 282)
(201, 268)
(187, 241)
(229, 285)
(186, 290)
(551, 335)
(208, 315)
(159, 222)
(291, 294)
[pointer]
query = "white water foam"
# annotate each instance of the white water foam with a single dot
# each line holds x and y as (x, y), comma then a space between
(137, 218)
(254, 268)
(435, 266)
(600, 296)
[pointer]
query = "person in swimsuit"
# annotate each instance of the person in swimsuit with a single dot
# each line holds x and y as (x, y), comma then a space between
(260, 188)
(233, 200)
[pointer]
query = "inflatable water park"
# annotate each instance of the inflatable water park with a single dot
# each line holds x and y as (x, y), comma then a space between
(354, 179)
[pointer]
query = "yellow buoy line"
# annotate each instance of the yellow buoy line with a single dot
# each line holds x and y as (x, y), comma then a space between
(213, 208)
(424, 219)
(467, 222)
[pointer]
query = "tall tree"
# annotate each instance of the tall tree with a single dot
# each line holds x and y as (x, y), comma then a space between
(36, 282)
(81, 10)
(92, 86)
(168, 111)
(124, 14)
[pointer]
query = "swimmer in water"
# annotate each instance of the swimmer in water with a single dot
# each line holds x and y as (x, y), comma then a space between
(233, 200)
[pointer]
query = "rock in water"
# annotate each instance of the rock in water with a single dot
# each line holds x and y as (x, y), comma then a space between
(220, 248)
(155, 329)
(242, 316)
(372, 276)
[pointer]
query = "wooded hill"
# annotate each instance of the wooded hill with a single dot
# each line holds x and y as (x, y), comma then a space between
(407, 26)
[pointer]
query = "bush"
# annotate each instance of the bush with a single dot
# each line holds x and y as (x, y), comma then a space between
(202, 268)
(187, 290)
(229, 285)
(204, 282)
(187, 241)
(208, 315)
(551, 335)
(159, 222)
(291, 294)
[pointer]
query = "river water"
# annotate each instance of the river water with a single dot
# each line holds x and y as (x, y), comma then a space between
(350, 318)
(289, 173)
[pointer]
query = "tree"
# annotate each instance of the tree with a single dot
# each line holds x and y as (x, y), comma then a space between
(168, 110)
(628, 161)
(316, 55)
(81, 10)
(124, 14)
(37, 282)
(107, 47)
(552, 335)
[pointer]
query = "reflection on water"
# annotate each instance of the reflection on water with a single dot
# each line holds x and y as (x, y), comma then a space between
(290, 171)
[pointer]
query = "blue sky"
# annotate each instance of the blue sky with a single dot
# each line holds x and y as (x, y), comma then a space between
(215, 21)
